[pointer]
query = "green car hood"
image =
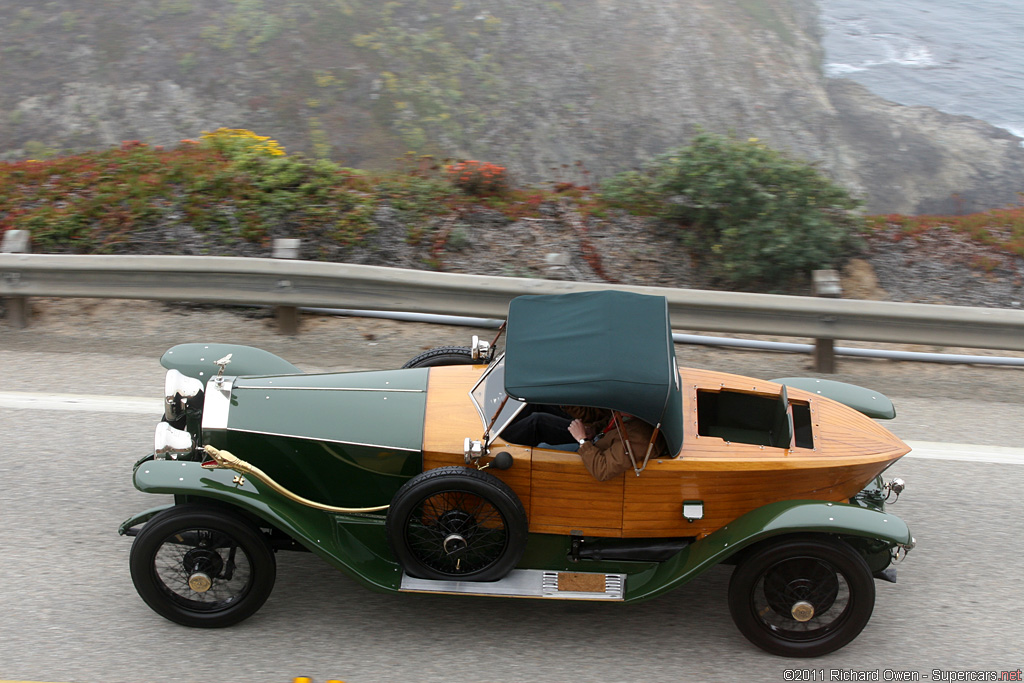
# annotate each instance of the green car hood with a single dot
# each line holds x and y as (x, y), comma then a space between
(343, 439)
(382, 409)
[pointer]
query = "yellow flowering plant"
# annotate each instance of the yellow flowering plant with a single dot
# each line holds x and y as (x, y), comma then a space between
(239, 142)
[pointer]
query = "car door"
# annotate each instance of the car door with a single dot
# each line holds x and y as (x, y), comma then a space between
(566, 499)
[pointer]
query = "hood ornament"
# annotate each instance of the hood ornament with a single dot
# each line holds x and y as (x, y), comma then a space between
(222, 363)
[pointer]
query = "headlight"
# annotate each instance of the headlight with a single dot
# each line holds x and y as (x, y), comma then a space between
(170, 441)
(178, 389)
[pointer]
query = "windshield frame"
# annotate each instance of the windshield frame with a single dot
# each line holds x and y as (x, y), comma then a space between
(493, 404)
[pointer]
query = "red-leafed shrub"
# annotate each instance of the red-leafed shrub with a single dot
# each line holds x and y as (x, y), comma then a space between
(478, 179)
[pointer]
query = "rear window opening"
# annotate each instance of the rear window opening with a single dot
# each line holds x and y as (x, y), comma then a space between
(741, 417)
(802, 424)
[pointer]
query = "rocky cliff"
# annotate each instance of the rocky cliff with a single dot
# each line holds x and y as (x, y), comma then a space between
(538, 85)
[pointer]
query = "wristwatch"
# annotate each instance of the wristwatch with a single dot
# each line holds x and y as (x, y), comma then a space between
(582, 441)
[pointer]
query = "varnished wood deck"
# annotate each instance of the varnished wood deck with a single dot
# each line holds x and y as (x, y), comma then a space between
(731, 479)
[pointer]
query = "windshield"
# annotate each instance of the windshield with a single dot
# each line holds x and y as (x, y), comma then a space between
(489, 397)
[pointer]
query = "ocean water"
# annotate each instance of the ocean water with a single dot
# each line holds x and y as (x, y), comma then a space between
(959, 57)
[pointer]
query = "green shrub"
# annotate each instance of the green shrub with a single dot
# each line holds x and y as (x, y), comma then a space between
(753, 213)
(633, 191)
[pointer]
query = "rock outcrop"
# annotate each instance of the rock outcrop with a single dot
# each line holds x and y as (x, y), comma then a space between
(916, 160)
(556, 90)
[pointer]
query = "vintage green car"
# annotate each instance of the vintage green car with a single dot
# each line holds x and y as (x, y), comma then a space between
(416, 480)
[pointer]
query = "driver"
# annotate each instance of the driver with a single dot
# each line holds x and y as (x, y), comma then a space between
(547, 426)
(607, 455)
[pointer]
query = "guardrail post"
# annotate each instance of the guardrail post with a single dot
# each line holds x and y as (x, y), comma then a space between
(287, 317)
(827, 284)
(19, 310)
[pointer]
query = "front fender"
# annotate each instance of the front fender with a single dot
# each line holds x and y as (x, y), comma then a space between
(199, 361)
(775, 519)
(354, 543)
(127, 527)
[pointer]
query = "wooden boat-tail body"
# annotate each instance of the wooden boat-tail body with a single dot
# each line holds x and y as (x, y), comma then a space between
(726, 462)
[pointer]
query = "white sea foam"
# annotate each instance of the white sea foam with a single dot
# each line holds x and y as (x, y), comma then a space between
(960, 57)
(1015, 130)
(882, 49)
(913, 55)
(838, 69)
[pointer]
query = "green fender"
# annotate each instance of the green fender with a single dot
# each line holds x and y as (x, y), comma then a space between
(141, 517)
(871, 403)
(354, 543)
(774, 519)
(357, 545)
(199, 361)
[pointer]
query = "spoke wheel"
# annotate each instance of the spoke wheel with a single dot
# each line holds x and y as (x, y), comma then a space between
(199, 566)
(444, 355)
(802, 597)
(456, 523)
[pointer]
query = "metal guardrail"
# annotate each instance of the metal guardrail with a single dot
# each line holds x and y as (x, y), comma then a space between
(288, 283)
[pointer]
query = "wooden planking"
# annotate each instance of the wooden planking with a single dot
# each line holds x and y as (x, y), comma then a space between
(451, 417)
(559, 494)
(566, 498)
(561, 497)
(839, 431)
(653, 501)
(733, 479)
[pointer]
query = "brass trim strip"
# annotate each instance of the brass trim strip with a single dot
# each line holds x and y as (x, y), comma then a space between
(226, 460)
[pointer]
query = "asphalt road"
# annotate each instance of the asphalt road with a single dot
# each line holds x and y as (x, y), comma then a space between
(69, 612)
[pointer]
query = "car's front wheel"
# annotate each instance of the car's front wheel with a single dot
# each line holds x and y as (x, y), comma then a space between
(201, 566)
(802, 597)
(457, 523)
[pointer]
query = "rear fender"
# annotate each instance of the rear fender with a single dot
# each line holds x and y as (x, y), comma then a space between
(354, 543)
(872, 403)
(772, 520)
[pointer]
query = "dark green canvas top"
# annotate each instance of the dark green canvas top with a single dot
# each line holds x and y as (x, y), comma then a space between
(607, 349)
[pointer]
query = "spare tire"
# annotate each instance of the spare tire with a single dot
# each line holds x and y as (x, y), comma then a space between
(455, 523)
(444, 355)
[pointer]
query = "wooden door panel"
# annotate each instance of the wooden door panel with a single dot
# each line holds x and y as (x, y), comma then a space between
(566, 498)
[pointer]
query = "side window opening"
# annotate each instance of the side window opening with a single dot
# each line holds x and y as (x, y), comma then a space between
(757, 419)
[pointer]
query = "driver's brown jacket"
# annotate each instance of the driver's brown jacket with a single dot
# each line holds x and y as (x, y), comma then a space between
(606, 458)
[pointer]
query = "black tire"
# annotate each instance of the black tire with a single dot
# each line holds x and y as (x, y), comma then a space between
(443, 355)
(784, 580)
(457, 523)
(195, 541)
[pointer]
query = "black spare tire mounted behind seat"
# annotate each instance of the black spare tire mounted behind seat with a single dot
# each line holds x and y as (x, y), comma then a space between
(443, 355)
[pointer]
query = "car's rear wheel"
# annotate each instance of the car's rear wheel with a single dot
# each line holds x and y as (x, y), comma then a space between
(802, 597)
(203, 567)
(457, 523)
(443, 355)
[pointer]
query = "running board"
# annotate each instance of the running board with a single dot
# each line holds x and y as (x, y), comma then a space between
(530, 583)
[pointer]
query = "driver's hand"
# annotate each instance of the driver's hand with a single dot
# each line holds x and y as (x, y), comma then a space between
(577, 430)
